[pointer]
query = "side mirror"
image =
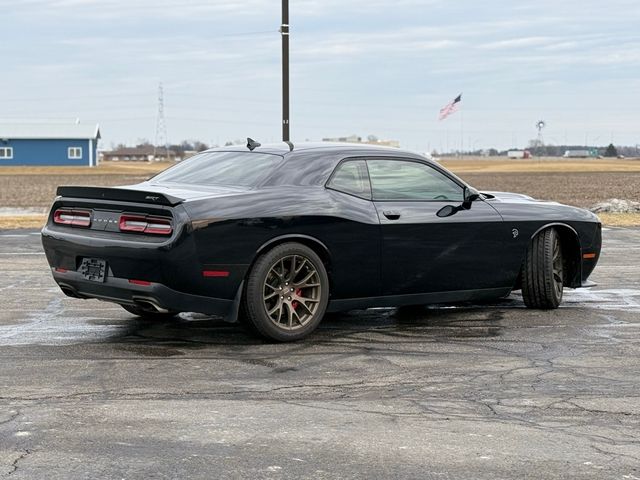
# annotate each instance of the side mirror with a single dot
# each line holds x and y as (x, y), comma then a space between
(470, 194)
(447, 211)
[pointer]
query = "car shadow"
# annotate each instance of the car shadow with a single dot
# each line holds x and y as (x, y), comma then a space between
(192, 331)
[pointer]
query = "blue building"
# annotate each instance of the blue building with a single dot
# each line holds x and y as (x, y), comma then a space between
(48, 144)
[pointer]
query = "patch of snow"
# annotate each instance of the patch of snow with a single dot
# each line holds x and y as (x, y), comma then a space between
(616, 205)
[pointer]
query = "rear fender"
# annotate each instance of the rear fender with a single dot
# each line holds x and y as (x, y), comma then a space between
(312, 242)
(316, 245)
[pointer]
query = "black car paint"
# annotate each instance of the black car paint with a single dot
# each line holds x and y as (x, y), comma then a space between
(372, 260)
(425, 253)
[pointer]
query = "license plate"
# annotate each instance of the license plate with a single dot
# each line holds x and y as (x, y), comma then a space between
(93, 269)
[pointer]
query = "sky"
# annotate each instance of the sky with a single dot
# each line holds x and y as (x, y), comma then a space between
(357, 67)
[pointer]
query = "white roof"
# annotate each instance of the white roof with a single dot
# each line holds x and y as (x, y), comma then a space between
(63, 131)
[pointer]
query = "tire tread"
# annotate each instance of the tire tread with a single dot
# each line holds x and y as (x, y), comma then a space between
(537, 279)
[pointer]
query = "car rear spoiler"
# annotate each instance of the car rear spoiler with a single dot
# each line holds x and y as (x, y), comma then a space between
(119, 194)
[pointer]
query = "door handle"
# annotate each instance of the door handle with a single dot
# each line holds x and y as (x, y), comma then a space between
(391, 214)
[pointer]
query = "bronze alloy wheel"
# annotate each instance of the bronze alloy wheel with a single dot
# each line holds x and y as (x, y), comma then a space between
(287, 293)
(291, 292)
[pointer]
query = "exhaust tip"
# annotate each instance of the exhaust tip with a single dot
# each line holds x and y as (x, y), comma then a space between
(149, 306)
(69, 292)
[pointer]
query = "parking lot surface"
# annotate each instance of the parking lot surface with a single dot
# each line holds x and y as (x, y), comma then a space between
(473, 391)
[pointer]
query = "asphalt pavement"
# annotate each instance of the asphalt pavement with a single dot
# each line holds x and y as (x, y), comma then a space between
(474, 391)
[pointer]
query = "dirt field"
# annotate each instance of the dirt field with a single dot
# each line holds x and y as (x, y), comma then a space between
(30, 190)
(582, 189)
(36, 186)
(574, 182)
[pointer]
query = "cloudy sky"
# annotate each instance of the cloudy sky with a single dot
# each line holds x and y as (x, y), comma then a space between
(358, 66)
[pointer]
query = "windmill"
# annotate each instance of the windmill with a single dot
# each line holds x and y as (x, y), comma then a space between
(540, 124)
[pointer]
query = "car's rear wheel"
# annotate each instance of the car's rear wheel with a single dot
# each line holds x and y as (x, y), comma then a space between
(543, 272)
(149, 314)
(287, 293)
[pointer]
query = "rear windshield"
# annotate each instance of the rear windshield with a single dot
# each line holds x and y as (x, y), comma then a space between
(241, 169)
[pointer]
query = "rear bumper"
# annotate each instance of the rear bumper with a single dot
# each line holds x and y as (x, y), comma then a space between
(119, 290)
(173, 264)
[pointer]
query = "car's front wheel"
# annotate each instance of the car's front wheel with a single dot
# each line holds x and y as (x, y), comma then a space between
(543, 272)
(287, 292)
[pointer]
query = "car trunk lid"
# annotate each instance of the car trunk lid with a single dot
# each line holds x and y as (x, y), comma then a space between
(132, 195)
(148, 192)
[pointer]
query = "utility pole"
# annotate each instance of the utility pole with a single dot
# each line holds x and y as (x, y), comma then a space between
(284, 30)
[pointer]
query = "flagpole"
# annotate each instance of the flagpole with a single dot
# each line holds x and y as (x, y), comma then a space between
(461, 130)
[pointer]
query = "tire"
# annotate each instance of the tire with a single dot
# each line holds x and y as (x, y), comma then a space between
(287, 293)
(148, 314)
(543, 272)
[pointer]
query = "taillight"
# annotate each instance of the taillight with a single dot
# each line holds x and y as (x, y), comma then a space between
(75, 218)
(145, 224)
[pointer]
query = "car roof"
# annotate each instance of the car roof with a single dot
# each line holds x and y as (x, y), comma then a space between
(283, 148)
(311, 164)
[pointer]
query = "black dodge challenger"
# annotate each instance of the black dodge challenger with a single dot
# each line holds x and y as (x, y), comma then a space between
(278, 235)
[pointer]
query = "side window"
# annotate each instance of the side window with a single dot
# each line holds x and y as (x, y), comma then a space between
(405, 180)
(352, 177)
(74, 153)
(6, 153)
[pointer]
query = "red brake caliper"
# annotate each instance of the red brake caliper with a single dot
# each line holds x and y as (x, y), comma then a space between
(294, 304)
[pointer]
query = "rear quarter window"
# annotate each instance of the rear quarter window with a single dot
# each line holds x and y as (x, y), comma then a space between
(351, 177)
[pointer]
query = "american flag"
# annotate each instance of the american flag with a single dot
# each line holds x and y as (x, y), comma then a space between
(449, 108)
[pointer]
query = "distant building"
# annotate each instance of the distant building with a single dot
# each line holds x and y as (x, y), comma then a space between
(371, 140)
(144, 153)
(48, 144)
(349, 139)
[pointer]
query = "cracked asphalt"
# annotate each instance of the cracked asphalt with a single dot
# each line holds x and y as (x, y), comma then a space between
(476, 391)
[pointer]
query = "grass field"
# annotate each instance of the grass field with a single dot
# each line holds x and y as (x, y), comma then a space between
(540, 165)
(105, 168)
(580, 182)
